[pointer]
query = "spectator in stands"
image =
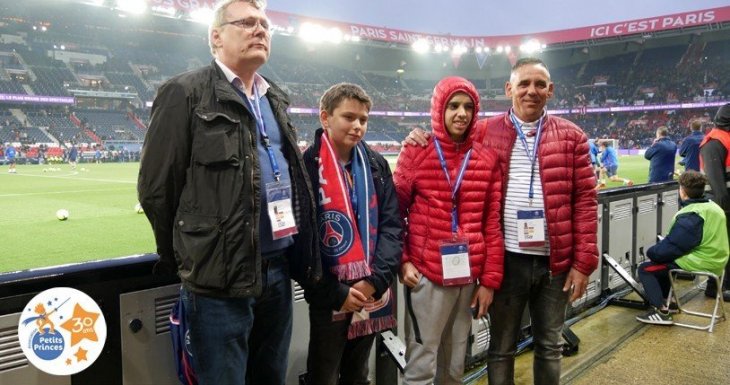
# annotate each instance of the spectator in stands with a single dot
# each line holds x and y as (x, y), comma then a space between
(198, 185)
(10, 158)
(661, 157)
(353, 301)
(690, 147)
(449, 193)
(715, 163)
(697, 241)
(552, 268)
(609, 165)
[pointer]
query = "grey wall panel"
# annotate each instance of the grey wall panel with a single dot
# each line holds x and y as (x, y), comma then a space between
(14, 367)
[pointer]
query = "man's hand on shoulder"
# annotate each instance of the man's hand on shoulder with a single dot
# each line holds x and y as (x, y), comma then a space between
(417, 137)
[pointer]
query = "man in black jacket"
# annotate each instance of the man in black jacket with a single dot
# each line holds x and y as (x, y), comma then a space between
(715, 163)
(224, 186)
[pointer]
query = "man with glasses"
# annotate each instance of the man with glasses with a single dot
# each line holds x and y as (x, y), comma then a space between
(220, 154)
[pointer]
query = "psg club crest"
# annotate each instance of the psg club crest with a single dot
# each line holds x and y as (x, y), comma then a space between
(62, 331)
(335, 233)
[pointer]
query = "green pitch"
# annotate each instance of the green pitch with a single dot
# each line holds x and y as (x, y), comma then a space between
(103, 222)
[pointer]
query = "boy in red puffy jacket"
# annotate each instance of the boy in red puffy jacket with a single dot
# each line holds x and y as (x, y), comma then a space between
(449, 194)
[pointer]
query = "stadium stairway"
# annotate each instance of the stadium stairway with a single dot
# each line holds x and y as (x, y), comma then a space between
(616, 349)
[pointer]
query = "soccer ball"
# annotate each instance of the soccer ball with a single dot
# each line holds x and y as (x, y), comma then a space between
(62, 214)
(138, 208)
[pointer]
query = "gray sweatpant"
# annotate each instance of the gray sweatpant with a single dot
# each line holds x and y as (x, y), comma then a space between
(438, 321)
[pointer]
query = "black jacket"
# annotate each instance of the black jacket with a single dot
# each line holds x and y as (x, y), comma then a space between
(329, 292)
(200, 186)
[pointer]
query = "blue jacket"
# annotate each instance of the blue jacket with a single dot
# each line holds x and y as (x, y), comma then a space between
(661, 160)
(609, 157)
(685, 235)
(593, 151)
(690, 150)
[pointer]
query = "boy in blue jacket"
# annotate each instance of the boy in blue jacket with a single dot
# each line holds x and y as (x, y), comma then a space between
(697, 241)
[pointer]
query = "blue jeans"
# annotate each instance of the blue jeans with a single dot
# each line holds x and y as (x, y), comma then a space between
(527, 281)
(229, 335)
(655, 279)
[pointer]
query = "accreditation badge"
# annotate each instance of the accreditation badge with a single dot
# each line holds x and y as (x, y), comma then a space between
(281, 215)
(455, 262)
(531, 228)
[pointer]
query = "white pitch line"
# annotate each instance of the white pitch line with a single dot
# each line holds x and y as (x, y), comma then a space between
(58, 192)
(67, 176)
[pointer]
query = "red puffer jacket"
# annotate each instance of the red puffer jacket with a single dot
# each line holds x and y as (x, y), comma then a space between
(568, 185)
(425, 196)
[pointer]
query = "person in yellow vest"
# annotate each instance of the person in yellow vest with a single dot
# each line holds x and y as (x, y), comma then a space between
(715, 164)
(697, 241)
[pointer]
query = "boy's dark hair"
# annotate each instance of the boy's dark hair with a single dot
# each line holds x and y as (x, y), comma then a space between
(341, 91)
(693, 183)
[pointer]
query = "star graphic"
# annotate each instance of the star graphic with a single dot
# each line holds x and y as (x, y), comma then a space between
(81, 354)
(68, 362)
(81, 325)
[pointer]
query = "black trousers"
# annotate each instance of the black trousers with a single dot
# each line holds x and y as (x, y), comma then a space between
(333, 359)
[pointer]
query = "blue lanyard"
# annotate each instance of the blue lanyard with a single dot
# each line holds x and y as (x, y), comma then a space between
(533, 157)
(256, 109)
(454, 187)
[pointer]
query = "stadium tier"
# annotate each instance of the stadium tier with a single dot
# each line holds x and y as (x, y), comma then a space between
(106, 69)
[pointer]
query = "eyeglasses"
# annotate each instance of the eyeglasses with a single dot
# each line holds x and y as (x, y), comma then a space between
(249, 24)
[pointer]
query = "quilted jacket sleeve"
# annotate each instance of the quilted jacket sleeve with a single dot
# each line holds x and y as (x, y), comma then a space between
(585, 206)
(493, 269)
(403, 178)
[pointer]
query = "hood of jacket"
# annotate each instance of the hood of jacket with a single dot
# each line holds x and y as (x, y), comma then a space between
(442, 93)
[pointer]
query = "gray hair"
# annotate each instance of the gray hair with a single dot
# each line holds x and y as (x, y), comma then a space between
(219, 16)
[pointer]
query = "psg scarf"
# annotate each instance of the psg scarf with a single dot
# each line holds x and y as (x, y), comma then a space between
(348, 230)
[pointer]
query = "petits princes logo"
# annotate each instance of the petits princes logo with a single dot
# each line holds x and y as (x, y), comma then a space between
(62, 331)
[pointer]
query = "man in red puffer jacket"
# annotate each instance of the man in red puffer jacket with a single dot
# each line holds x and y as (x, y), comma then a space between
(549, 222)
(450, 193)
(558, 186)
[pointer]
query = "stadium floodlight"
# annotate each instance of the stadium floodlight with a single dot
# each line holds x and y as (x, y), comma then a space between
(135, 7)
(438, 48)
(310, 32)
(459, 50)
(500, 49)
(531, 46)
(334, 35)
(164, 11)
(507, 49)
(203, 15)
(478, 49)
(420, 46)
(356, 38)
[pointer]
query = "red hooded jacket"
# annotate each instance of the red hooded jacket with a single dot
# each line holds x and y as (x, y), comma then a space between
(425, 196)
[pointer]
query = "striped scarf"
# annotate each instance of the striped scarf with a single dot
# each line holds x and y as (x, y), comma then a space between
(348, 230)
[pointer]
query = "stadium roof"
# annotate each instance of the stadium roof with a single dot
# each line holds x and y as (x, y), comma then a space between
(488, 18)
